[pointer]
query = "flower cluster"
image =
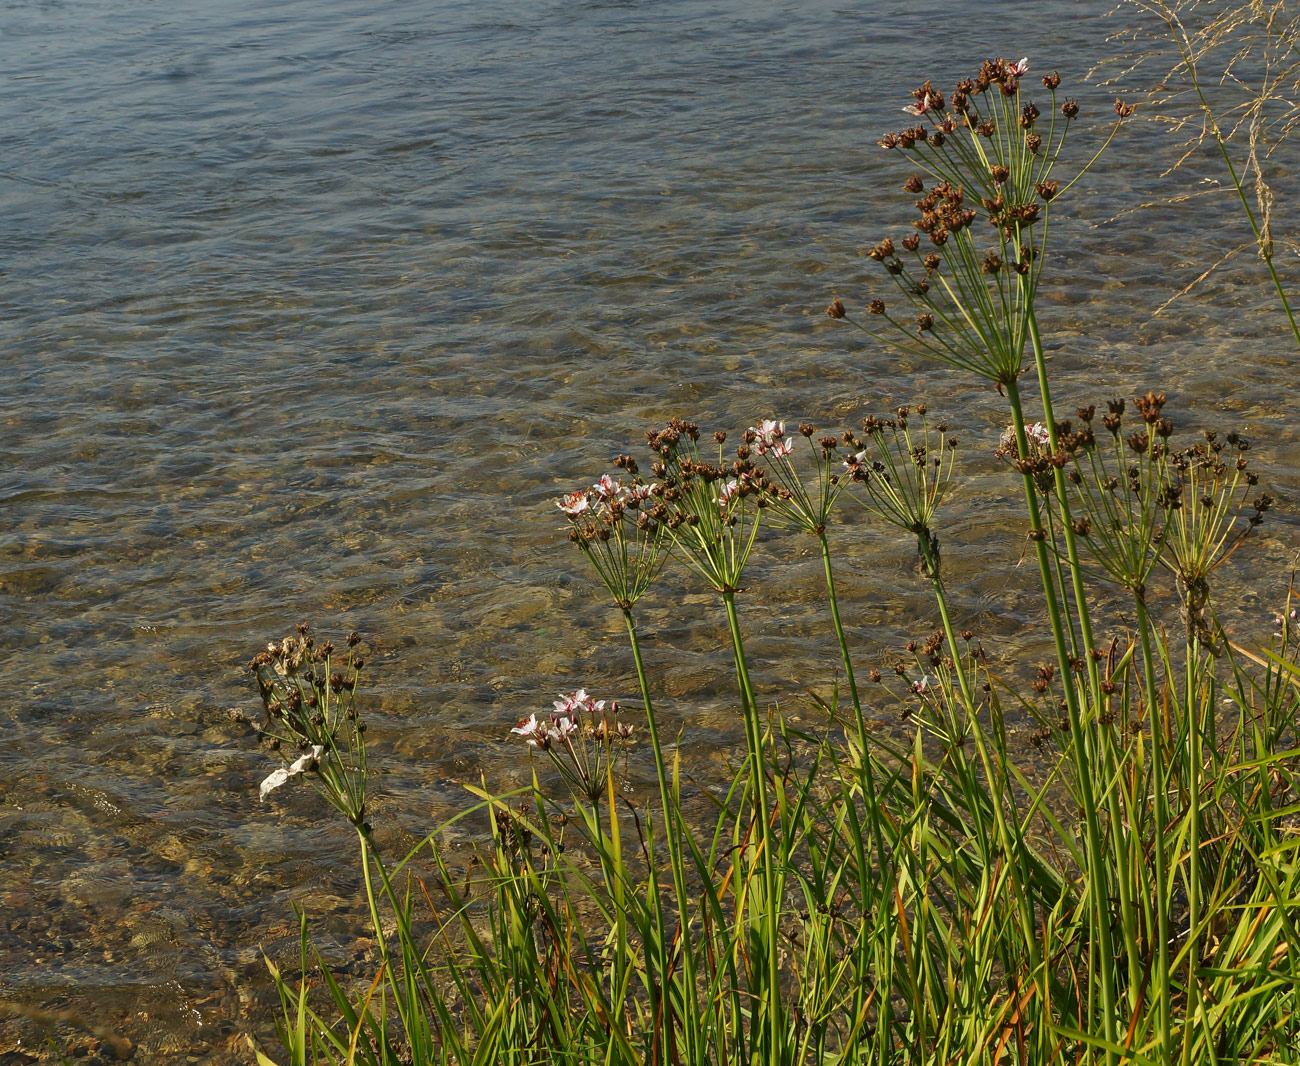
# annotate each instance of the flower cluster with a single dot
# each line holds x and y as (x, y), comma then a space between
(575, 713)
(606, 504)
(578, 735)
(768, 439)
(619, 526)
(903, 474)
(981, 153)
(308, 693)
(712, 505)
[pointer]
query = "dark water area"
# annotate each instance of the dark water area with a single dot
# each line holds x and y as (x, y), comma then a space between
(310, 310)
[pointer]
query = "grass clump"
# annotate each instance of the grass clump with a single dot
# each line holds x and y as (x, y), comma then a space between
(1121, 892)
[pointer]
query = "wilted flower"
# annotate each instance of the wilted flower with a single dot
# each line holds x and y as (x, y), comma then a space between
(924, 104)
(300, 765)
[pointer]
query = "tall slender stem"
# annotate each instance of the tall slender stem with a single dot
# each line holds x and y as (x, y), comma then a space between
(1097, 888)
(1110, 758)
(867, 757)
(1161, 816)
(771, 906)
(672, 826)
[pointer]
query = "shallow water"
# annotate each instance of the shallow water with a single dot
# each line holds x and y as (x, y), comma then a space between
(309, 312)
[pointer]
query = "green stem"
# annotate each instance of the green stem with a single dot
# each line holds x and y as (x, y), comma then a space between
(380, 939)
(844, 644)
(1012, 844)
(867, 757)
(1110, 761)
(770, 915)
(1097, 888)
(1161, 816)
(1195, 709)
(672, 825)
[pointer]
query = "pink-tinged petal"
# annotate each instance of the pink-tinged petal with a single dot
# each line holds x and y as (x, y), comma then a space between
(1016, 70)
(606, 488)
(527, 727)
(574, 503)
(729, 491)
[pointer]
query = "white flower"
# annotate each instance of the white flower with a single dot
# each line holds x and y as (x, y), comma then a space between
(780, 449)
(574, 701)
(300, 765)
(1037, 433)
(1018, 69)
(926, 103)
(574, 503)
(534, 732)
(729, 491)
(768, 432)
(606, 488)
(921, 687)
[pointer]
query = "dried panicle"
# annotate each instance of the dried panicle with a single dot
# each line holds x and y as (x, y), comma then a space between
(308, 696)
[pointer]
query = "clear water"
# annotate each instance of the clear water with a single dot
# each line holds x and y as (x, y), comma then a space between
(310, 310)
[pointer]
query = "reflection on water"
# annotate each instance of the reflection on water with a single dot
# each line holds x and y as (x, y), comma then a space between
(310, 311)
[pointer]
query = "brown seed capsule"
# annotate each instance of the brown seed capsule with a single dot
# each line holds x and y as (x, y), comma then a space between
(876, 307)
(836, 308)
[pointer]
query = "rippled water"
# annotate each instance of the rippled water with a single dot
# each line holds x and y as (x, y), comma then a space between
(309, 311)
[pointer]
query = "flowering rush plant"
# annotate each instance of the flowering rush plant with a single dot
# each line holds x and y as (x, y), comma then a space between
(987, 158)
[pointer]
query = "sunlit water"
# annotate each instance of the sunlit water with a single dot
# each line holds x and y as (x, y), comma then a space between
(309, 311)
